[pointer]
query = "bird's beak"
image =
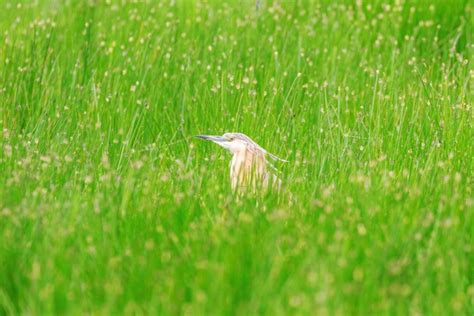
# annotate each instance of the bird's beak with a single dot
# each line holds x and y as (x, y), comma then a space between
(212, 138)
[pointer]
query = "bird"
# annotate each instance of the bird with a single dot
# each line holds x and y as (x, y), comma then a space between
(249, 167)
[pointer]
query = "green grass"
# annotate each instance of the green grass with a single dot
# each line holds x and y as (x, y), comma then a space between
(108, 205)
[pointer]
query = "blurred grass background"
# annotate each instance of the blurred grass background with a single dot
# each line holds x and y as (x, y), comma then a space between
(108, 205)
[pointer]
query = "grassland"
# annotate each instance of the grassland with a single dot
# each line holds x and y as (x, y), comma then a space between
(108, 205)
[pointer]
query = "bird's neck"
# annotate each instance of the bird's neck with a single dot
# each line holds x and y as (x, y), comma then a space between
(246, 162)
(248, 170)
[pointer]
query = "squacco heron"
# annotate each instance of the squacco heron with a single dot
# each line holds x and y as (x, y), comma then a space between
(249, 164)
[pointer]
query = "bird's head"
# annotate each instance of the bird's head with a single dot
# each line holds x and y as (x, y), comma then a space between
(230, 141)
